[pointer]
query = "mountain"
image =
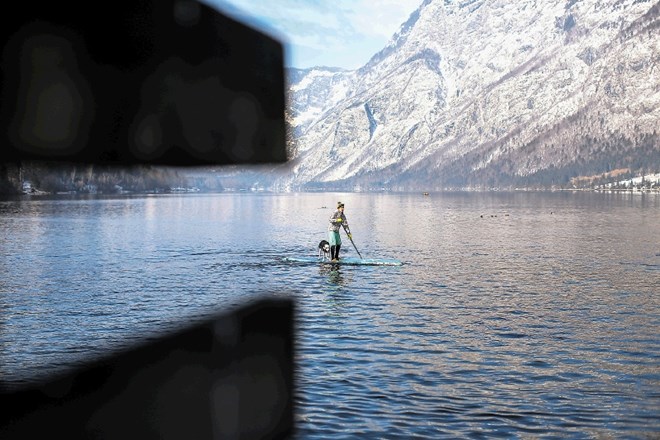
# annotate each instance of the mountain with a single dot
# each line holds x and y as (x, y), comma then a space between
(485, 94)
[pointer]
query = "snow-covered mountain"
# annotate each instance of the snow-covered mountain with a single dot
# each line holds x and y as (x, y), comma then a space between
(485, 93)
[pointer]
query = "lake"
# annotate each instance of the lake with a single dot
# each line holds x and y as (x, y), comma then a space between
(513, 315)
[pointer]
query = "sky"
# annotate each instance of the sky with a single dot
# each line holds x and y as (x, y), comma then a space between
(331, 33)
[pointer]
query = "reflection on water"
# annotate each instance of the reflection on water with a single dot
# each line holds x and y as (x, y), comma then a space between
(514, 314)
(333, 273)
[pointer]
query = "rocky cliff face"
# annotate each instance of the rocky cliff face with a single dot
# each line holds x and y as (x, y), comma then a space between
(485, 93)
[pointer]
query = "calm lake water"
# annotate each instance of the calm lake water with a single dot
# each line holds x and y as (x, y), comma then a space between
(514, 314)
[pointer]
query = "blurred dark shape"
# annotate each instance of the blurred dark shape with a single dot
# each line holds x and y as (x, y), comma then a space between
(228, 378)
(163, 82)
(171, 82)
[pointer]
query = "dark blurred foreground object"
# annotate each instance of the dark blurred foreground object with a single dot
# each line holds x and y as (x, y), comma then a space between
(164, 82)
(169, 82)
(230, 378)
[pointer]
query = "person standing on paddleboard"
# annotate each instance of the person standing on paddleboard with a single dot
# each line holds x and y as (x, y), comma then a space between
(337, 220)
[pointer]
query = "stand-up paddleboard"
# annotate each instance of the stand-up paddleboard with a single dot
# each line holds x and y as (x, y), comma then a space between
(347, 261)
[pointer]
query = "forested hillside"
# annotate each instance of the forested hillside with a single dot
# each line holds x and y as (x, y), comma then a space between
(55, 177)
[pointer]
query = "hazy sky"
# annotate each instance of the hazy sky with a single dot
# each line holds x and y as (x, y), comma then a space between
(334, 33)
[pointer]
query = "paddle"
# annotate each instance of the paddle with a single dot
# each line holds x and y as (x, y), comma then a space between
(349, 237)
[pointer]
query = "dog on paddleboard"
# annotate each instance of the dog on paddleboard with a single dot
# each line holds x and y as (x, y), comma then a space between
(324, 250)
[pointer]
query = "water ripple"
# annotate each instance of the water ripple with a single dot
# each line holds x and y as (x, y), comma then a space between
(519, 326)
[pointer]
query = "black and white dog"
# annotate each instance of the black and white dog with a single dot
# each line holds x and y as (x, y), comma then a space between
(324, 249)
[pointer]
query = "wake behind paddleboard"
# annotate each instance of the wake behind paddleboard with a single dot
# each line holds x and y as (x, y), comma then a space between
(348, 261)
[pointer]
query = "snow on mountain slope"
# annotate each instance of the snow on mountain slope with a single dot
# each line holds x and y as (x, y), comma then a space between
(484, 92)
